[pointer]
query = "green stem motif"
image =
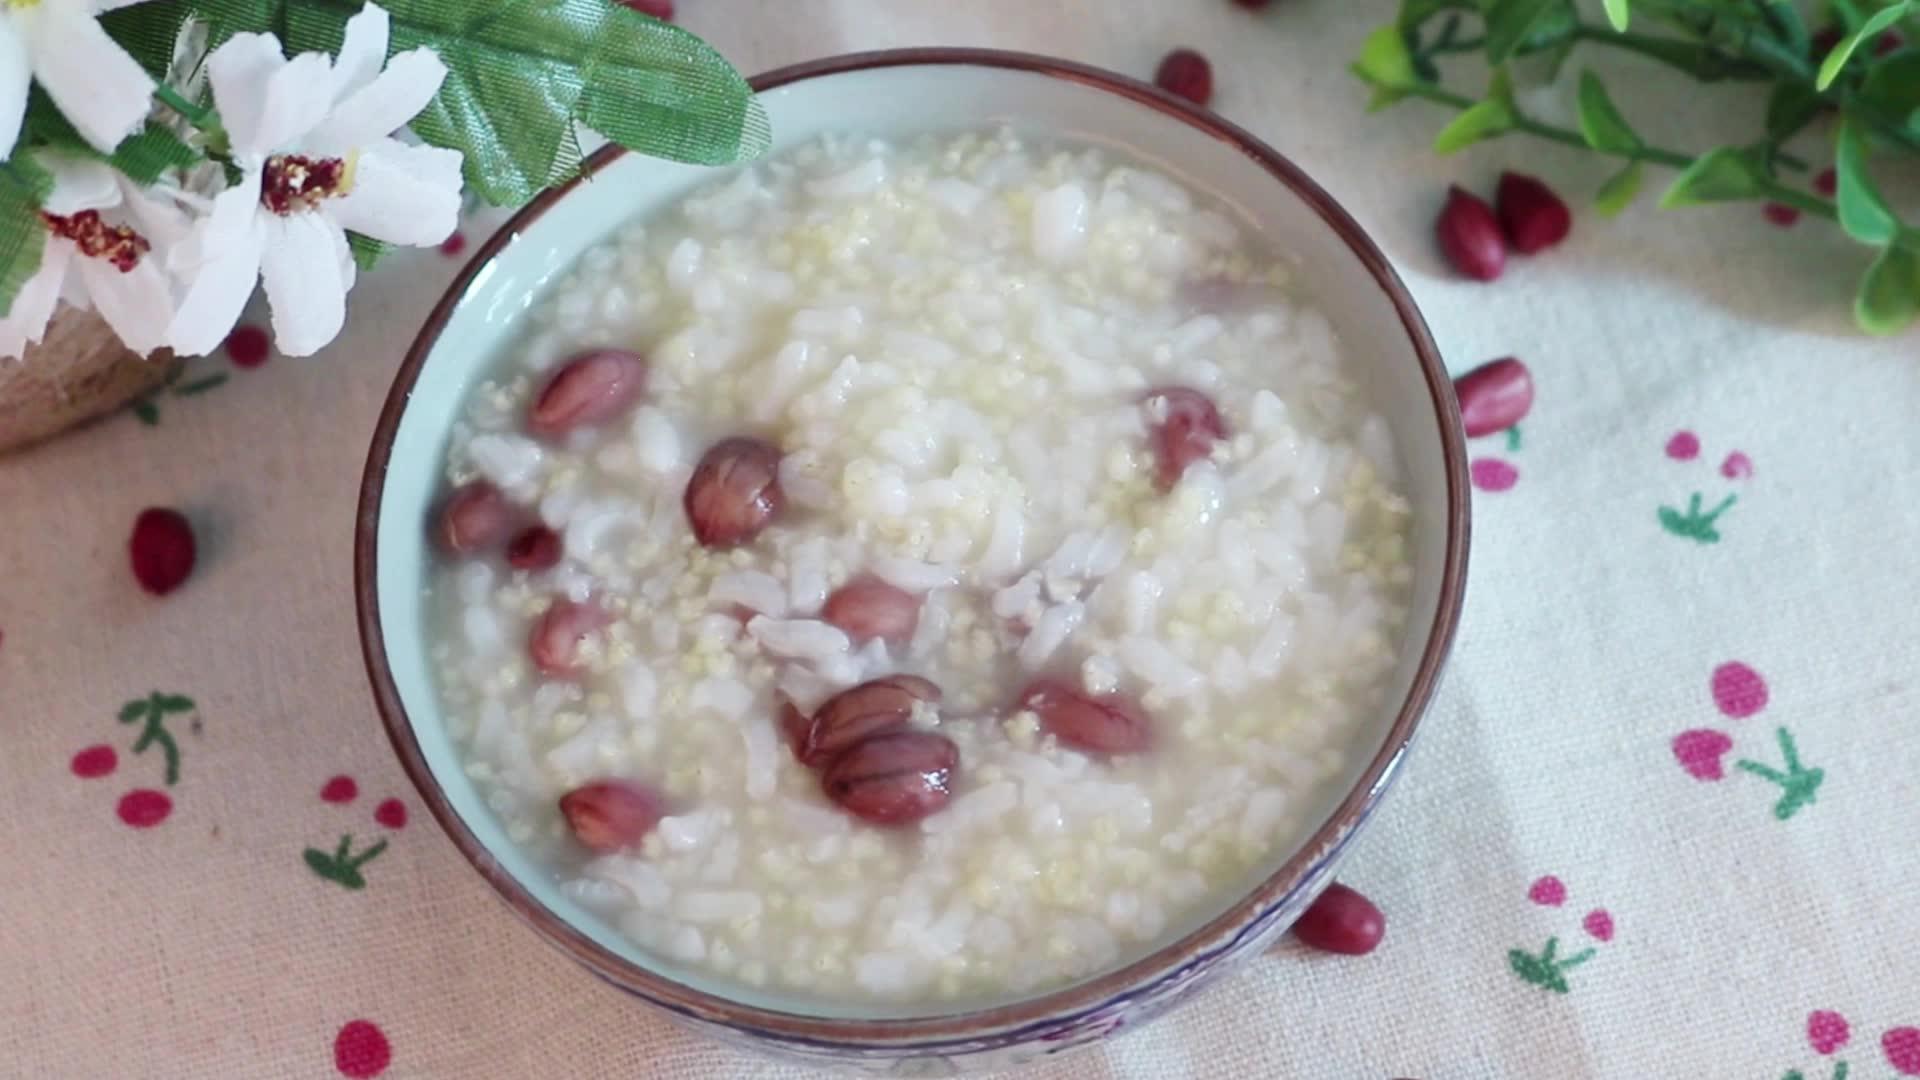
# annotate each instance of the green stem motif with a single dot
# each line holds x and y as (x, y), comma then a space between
(1695, 524)
(1798, 785)
(342, 867)
(151, 712)
(1545, 970)
(1513, 439)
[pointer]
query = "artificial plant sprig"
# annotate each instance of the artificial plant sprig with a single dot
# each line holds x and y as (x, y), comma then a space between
(1861, 72)
(161, 158)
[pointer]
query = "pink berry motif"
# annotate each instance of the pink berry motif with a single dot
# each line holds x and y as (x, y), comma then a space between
(1494, 398)
(361, 1050)
(1696, 522)
(1828, 1033)
(141, 808)
(1548, 969)
(342, 865)
(1739, 692)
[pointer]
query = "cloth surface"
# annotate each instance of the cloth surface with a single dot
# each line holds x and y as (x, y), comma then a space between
(1577, 784)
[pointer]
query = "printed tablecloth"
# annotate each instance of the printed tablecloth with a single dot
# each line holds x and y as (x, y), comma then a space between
(1661, 822)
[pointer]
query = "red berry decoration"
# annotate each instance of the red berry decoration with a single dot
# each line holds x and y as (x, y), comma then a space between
(1533, 217)
(1780, 214)
(143, 808)
(659, 9)
(247, 346)
(1827, 182)
(95, 762)
(162, 549)
(1494, 397)
(1185, 73)
(1341, 921)
(340, 789)
(391, 813)
(1470, 236)
(453, 245)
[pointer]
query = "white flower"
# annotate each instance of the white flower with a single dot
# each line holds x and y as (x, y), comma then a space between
(99, 88)
(105, 242)
(313, 141)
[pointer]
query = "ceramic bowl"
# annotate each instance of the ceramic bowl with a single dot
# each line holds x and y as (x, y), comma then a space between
(895, 94)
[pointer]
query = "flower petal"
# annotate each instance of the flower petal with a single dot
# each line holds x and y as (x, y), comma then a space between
(26, 320)
(384, 105)
(221, 260)
(304, 283)
(267, 101)
(238, 72)
(402, 194)
(362, 51)
(104, 92)
(78, 183)
(15, 75)
(137, 303)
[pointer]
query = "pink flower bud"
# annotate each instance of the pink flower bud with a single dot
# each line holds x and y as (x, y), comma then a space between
(1532, 215)
(1470, 237)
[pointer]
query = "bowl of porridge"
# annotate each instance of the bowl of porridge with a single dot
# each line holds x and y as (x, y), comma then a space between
(931, 597)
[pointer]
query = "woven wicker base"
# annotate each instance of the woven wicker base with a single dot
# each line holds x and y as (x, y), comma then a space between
(77, 373)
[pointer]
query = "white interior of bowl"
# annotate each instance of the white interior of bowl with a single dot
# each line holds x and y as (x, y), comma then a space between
(895, 101)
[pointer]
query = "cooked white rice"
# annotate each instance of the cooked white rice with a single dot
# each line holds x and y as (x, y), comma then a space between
(950, 341)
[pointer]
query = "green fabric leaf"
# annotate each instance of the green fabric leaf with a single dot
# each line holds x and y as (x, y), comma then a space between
(143, 156)
(1791, 107)
(1384, 60)
(1863, 213)
(23, 234)
(522, 73)
(1876, 24)
(1486, 120)
(1600, 121)
(366, 250)
(1617, 14)
(1721, 175)
(1509, 22)
(1413, 13)
(148, 31)
(1619, 190)
(1893, 86)
(1889, 294)
(1783, 18)
(147, 155)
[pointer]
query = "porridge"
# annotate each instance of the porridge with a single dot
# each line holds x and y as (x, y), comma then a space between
(917, 571)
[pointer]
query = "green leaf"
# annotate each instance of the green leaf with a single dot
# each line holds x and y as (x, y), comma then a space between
(1483, 121)
(180, 702)
(1617, 14)
(1721, 175)
(1414, 13)
(144, 411)
(1509, 22)
(143, 156)
(1783, 18)
(1863, 213)
(1870, 30)
(1618, 192)
(1892, 87)
(1384, 60)
(23, 233)
(147, 31)
(1600, 122)
(366, 250)
(521, 74)
(1790, 107)
(1889, 294)
(133, 710)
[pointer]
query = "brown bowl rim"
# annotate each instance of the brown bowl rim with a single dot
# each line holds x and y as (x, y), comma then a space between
(1079, 998)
